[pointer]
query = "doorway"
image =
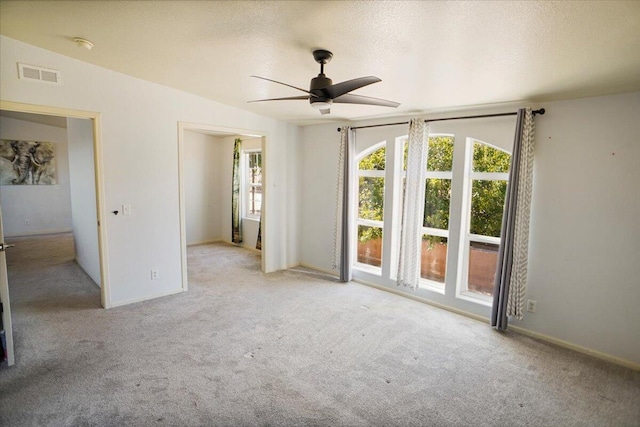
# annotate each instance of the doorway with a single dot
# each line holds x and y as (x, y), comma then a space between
(206, 157)
(79, 164)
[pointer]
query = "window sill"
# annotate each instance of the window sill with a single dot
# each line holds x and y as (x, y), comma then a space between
(431, 286)
(476, 298)
(251, 219)
(368, 269)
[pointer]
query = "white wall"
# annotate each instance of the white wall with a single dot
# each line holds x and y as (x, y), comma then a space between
(584, 267)
(83, 196)
(202, 182)
(585, 233)
(46, 208)
(140, 164)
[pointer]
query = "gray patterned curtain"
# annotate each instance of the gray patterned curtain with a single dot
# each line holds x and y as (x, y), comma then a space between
(511, 274)
(236, 221)
(341, 232)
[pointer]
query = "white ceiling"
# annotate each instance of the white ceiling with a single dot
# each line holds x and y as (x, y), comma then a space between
(431, 56)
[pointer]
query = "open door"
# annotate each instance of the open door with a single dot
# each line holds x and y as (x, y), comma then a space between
(4, 298)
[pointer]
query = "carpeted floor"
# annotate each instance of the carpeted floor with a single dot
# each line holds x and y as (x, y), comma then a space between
(284, 349)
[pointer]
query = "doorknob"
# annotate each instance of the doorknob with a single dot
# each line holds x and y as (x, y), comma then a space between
(4, 246)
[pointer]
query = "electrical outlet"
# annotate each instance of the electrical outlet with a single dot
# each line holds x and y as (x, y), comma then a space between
(126, 209)
(155, 274)
(27, 222)
(532, 305)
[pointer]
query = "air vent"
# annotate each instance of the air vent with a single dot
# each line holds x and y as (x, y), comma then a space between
(41, 74)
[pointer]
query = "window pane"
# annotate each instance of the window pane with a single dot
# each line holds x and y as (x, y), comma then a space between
(433, 264)
(489, 159)
(483, 259)
(487, 204)
(370, 245)
(439, 157)
(374, 161)
(255, 200)
(371, 198)
(436, 203)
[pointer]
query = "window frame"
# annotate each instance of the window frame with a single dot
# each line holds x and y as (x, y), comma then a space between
(247, 185)
(432, 285)
(466, 237)
(360, 173)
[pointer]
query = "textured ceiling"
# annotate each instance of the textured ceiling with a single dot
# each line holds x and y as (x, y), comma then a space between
(430, 55)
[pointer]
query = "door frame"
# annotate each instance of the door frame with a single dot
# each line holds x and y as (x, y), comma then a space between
(95, 117)
(202, 128)
(5, 301)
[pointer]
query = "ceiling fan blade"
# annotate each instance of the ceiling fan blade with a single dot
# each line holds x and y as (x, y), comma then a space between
(288, 98)
(366, 100)
(284, 84)
(325, 111)
(342, 88)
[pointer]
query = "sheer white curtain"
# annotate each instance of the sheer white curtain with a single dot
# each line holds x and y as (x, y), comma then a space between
(413, 205)
(342, 228)
(511, 275)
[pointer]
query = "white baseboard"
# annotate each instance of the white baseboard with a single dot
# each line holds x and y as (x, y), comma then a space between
(575, 347)
(252, 249)
(147, 298)
(561, 343)
(204, 242)
(322, 270)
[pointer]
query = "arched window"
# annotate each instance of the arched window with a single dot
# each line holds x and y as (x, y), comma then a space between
(369, 221)
(487, 172)
(435, 228)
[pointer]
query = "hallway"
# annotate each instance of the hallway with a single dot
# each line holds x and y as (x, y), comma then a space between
(45, 281)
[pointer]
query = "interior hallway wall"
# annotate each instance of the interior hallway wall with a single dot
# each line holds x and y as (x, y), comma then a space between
(83, 196)
(37, 209)
(203, 187)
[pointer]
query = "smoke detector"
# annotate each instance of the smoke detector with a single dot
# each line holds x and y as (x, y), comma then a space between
(87, 44)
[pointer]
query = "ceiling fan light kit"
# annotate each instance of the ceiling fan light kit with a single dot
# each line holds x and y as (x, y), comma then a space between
(322, 92)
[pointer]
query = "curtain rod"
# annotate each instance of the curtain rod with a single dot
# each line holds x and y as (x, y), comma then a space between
(540, 112)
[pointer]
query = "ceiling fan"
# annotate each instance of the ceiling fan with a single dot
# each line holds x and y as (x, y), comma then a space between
(322, 92)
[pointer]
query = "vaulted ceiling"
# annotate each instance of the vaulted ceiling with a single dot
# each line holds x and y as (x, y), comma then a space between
(430, 55)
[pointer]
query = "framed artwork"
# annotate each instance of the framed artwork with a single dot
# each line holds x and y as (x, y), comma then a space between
(27, 162)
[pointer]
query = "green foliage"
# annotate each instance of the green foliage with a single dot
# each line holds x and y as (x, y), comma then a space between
(369, 233)
(487, 201)
(487, 204)
(487, 197)
(436, 203)
(371, 201)
(374, 161)
(371, 198)
(440, 156)
(489, 159)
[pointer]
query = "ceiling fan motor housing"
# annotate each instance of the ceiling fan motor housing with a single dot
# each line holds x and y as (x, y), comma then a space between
(317, 88)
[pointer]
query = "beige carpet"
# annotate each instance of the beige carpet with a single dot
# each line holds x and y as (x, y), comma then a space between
(290, 348)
